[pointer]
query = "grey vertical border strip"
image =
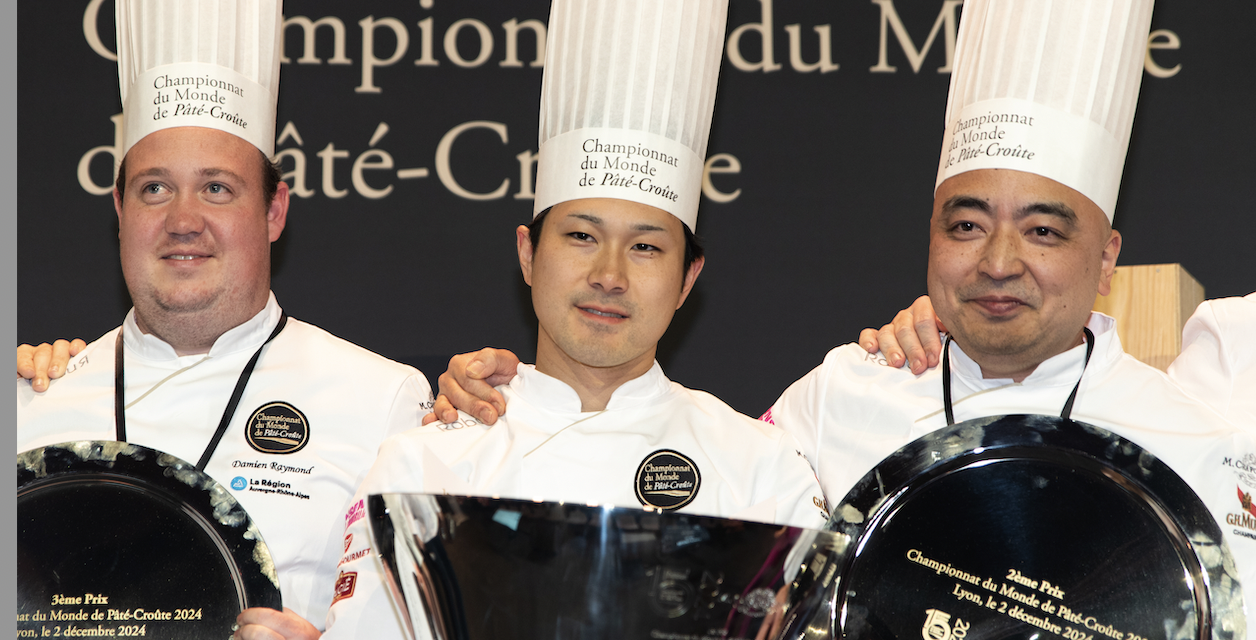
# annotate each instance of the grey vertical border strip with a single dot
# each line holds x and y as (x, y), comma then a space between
(8, 251)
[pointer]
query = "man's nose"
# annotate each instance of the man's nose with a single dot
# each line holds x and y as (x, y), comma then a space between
(186, 217)
(1001, 255)
(609, 272)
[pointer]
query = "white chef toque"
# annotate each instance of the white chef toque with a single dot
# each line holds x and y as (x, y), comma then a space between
(1047, 87)
(626, 101)
(199, 63)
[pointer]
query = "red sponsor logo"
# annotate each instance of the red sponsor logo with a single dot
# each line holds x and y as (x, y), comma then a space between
(345, 583)
(361, 553)
(348, 541)
(1245, 501)
(767, 417)
(356, 512)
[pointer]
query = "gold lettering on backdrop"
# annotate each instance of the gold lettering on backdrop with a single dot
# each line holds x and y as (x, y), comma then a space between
(1029, 599)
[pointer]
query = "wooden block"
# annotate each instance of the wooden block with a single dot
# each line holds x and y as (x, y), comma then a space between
(1151, 303)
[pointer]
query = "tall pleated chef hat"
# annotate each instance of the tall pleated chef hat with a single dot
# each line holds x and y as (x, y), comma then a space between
(1047, 87)
(200, 63)
(626, 101)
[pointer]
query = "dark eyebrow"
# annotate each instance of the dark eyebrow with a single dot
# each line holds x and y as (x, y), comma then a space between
(584, 216)
(965, 202)
(598, 221)
(1057, 209)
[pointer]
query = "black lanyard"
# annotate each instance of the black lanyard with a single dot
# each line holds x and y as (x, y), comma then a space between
(946, 378)
(119, 391)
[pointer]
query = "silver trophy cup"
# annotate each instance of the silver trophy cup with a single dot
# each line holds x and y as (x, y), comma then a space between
(471, 568)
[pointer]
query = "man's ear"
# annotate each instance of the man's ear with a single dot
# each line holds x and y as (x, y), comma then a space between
(117, 207)
(523, 243)
(691, 276)
(1108, 265)
(277, 212)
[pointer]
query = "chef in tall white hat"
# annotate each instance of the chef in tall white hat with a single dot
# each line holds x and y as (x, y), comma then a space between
(1068, 119)
(207, 357)
(1041, 106)
(626, 106)
(1049, 91)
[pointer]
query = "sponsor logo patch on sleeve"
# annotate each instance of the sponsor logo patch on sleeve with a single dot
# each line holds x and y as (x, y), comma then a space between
(356, 512)
(345, 584)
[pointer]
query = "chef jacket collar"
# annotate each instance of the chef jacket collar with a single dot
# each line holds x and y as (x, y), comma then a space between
(552, 394)
(247, 336)
(1057, 371)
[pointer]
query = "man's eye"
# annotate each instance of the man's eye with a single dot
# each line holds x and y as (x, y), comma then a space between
(581, 236)
(152, 188)
(216, 188)
(965, 227)
(641, 246)
(1043, 232)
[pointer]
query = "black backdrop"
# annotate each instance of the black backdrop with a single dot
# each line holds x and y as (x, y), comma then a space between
(827, 233)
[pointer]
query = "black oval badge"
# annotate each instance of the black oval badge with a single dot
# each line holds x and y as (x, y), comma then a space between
(667, 480)
(277, 427)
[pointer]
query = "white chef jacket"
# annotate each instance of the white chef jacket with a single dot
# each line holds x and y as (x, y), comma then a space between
(853, 410)
(1218, 359)
(545, 447)
(351, 400)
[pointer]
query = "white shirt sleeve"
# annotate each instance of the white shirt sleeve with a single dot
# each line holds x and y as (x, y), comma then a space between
(800, 502)
(1218, 358)
(362, 607)
(414, 400)
(847, 391)
(797, 411)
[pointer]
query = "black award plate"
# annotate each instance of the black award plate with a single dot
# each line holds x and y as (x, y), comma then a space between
(115, 540)
(464, 568)
(1031, 527)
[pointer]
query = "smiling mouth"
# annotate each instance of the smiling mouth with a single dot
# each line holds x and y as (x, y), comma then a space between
(999, 305)
(602, 314)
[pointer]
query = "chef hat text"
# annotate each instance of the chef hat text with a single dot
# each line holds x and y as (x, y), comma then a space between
(626, 101)
(1048, 87)
(199, 63)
